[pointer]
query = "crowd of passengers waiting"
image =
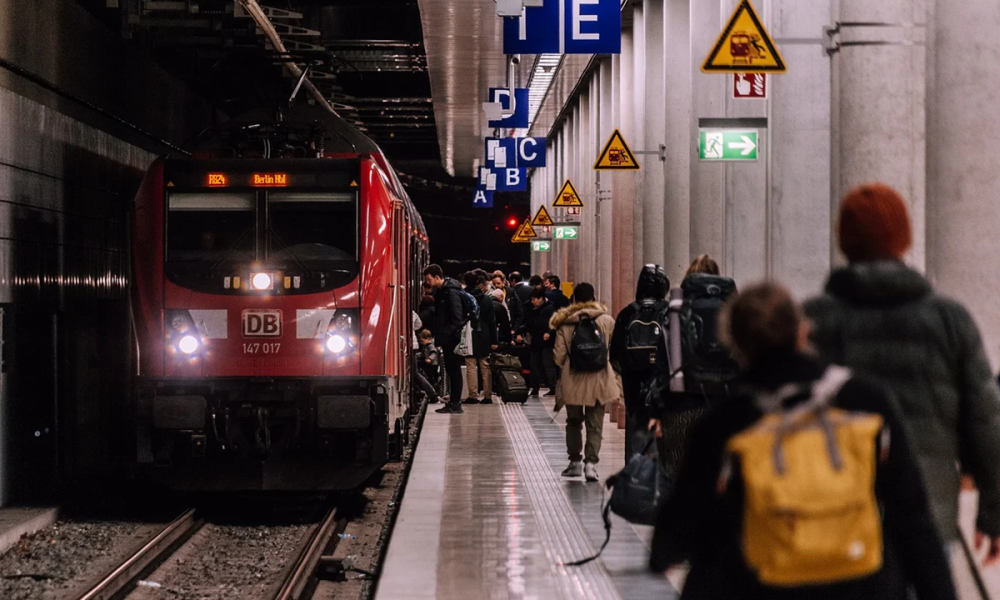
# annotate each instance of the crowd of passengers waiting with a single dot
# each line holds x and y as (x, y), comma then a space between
(814, 451)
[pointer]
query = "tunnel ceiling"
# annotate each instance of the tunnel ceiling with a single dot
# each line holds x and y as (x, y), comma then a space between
(366, 56)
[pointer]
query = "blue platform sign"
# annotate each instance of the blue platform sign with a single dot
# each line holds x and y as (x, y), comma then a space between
(482, 198)
(524, 153)
(565, 27)
(511, 179)
(519, 118)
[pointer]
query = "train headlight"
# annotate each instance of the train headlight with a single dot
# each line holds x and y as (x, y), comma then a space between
(188, 344)
(336, 343)
(262, 281)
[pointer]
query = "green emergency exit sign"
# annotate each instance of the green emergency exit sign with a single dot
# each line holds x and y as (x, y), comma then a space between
(566, 232)
(727, 144)
(541, 246)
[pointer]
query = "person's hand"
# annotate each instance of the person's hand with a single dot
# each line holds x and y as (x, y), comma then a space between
(993, 548)
(545, 337)
(654, 426)
(427, 360)
(494, 346)
(519, 339)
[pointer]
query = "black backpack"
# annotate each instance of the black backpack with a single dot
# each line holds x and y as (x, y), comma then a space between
(642, 335)
(708, 366)
(470, 309)
(588, 351)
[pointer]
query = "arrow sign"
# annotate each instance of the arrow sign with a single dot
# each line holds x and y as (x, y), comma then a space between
(728, 144)
(541, 246)
(746, 145)
(565, 232)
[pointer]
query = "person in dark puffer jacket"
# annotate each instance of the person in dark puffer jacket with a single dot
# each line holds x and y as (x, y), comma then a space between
(882, 319)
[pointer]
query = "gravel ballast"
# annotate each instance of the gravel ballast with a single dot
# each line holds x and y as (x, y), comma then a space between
(225, 562)
(60, 559)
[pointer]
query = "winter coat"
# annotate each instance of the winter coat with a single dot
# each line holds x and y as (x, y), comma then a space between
(523, 292)
(503, 321)
(449, 315)
(484, 333)
(882, 319)
(427, 318)
(538, 325)
(558, 298)
(700, 525)
(515, 308)
(583, 388)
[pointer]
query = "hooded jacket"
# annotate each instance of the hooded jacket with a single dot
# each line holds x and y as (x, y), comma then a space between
(701, 525)
(653, 285)
(576, 388)
(882, 319)
(449, 315)
(484, 332)
(503, 321)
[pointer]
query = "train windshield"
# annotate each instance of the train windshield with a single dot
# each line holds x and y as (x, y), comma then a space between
(206, 230)
(312, 229)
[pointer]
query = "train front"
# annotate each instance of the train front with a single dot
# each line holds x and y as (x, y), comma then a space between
(262, 297)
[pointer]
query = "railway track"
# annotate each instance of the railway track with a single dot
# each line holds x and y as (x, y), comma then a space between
(297, 581)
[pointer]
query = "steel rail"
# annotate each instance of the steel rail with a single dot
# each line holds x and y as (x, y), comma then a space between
(304, 568)
(152, 552)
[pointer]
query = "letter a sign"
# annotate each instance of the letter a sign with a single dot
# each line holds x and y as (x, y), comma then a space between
(744, 46)
(616, 156)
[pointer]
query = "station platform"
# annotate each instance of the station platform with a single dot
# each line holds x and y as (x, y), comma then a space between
(487, 515)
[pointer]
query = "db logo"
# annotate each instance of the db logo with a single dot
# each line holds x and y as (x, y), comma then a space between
(262, 323)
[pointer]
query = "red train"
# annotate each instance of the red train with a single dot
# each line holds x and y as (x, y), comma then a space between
(274, 274)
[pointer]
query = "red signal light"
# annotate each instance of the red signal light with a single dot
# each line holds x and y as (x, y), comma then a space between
(512, 222)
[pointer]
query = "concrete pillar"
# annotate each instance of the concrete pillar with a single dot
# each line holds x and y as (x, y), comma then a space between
(654, 117)
(603, 205)
(623, 183)
(964, 141)
(677, 136)
(638, 99)
(878, 101)
(798, 151)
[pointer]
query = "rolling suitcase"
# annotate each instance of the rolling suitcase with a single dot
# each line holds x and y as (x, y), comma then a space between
(508, 381)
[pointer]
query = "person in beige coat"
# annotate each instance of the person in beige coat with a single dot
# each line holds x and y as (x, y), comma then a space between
(584, 394)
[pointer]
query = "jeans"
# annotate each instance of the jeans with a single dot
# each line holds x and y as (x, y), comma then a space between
(543, 367)
(422, 382)
(453, 368)
(576, 417)
(471, 378)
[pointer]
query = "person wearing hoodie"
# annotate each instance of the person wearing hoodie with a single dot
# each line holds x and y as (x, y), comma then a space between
(650, 298)
(449, 318)
(881, 318)
(484, 341)
(504, 330)
(702, 522)
(515, 312)
(583, 393)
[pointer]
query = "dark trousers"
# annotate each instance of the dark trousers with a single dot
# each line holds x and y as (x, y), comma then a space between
(453, 367)
(637, 414)
(543, 367)
(422, 383)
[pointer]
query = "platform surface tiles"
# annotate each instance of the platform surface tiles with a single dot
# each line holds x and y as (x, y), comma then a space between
(487, 516)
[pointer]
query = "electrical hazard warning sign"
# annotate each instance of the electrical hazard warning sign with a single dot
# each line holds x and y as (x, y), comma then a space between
(744, 46)
(616, 156)
(567, 197)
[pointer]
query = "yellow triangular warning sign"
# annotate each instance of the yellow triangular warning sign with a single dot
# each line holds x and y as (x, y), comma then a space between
(616, 156)
(567, 196)
(542, 218)
(524, 233)
(744, 46)
(354, 184)
(170, 184)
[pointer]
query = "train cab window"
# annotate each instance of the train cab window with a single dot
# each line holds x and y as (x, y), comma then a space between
(316, 230)
(205, 230)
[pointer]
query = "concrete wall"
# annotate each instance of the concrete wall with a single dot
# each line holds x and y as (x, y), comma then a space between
(67, 178)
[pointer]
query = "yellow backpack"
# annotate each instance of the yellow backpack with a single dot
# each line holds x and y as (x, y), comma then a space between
(810, 514)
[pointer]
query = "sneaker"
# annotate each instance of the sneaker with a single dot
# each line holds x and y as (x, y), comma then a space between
(470, 401)
(551, 392)
(575, 469)
(590, 472)
(487, 400)
(450, 409)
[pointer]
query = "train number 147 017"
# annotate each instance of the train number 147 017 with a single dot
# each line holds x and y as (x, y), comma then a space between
(261, 348)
